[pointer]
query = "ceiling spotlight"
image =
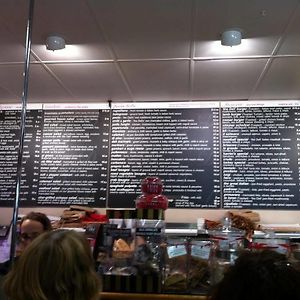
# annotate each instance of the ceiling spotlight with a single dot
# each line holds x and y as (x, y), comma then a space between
(55, 42)
(231, 37)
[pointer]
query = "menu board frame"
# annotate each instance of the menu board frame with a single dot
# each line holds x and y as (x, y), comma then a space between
(228, 175)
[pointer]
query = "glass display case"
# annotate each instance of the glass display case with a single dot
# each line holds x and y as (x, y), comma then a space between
(179, 258)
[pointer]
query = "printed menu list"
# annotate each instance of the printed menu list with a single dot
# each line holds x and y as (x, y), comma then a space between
(65, 159)
(74, 157)
(238, 154)
(9, 144)
(178, 144)
(260, 155)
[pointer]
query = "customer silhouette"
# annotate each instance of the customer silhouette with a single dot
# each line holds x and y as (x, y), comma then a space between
(265, 275)
(57, 265)
(30, 227)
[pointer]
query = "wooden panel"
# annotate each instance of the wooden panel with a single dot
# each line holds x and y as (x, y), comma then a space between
(129, 296)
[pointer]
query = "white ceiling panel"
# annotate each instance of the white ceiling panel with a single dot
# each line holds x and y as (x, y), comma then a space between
(291, 40)
(154, 81)
(44, 87)
(11, 80)
(146, 29)
(151, 50)
(12, 34)
(13, 21)
(92, 82)
(227, 78)
(282, 81)
(262, 22)
(72, 20)
(7, 95)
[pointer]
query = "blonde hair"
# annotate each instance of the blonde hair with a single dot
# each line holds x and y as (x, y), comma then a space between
(57, 265)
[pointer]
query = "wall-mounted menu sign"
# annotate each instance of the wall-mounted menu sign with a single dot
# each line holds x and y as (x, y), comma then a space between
(177, 142)
(65, 155)
(9, 143)
(260, 154)
(208, 154)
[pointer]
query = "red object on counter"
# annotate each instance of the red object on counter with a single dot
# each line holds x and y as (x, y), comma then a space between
(95, 218)
(152, 198)
(152, 185)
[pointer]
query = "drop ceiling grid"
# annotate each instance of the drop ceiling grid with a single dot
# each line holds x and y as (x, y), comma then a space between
(172, 61)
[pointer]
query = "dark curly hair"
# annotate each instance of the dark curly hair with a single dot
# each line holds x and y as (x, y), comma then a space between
(264, 275)
(39, 217)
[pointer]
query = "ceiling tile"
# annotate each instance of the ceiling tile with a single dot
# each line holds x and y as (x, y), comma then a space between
(13, 21)
(282, 81)
(8, 97)
(92, 82)
(291, 41)
(11, 79)
(226, 79)
(261, 21)
(45, 88)
(72, 20)
(146, 29)
(148, 50)
(154, 81)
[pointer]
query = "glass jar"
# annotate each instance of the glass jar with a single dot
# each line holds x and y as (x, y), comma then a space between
(200, 251)
(176, 266)
(148, 255)
(228, 242)
(119, 236)
(271, 242)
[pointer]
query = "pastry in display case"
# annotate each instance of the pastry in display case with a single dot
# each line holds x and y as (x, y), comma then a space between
(117, 247)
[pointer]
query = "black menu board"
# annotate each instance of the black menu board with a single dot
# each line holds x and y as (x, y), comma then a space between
(238, 154)
(260, 154)
(177, 142)
(9, 144)
(65, 155)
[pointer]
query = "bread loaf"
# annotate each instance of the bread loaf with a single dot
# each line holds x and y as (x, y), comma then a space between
(121, 245)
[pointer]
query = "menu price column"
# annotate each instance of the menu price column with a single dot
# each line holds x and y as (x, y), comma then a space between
(216, 156)
(31, 157)
(104, 129)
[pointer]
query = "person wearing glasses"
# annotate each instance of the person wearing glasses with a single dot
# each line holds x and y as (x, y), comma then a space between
(30, 227)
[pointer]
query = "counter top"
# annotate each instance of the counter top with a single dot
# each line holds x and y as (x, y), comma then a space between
(137, 296)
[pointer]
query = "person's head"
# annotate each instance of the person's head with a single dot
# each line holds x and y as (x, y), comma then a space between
(32, 225)
(57, 265)
(261, 275)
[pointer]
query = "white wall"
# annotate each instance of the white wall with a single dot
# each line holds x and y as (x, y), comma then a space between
(175, 215)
